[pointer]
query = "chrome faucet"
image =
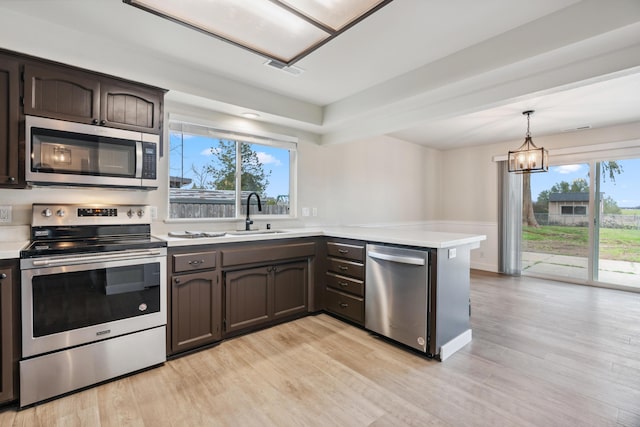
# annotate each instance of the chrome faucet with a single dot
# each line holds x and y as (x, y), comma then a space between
(248, 222)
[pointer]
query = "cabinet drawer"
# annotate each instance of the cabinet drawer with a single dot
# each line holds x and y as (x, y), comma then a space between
(346, 268)
(345, 284)
(343, 250)
(194, 261)
(348, 306)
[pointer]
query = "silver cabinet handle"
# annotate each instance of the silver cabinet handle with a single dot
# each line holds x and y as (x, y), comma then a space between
(196, 262)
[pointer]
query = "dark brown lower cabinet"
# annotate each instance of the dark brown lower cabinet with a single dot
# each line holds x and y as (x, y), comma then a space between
(195, 310)
(9, 331)
(289, 289)
(247, 298)
(256, 296)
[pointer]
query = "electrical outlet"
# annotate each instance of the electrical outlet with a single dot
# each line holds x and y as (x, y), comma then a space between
(5, 213)
(314, 211)
(452, 253)
(305, 211)
(154, 212)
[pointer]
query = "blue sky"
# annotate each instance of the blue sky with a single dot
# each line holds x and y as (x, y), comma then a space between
(625, 190)
(197, 152)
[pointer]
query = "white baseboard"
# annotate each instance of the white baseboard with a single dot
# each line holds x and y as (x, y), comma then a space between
(454, 345)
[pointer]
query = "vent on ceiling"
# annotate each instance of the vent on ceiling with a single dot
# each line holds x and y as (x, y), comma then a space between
(291, 69)
(585, 127)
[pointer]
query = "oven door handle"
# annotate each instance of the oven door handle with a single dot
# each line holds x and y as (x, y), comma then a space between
(93, 258)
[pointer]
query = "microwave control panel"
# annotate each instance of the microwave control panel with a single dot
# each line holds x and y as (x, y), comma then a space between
(149, 156)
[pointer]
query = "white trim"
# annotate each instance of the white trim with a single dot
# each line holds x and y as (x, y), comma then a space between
(235, 132)
(448, 349)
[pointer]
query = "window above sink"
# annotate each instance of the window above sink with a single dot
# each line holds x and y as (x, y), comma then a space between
(212, 171)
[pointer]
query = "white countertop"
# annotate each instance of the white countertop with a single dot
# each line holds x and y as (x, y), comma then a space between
(415, 235)
(402, 235)
(11, 250)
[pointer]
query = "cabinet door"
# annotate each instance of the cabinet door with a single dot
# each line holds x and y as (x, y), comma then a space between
(61, 93)
(10, 162)
(290, 289)
(7, 336)
(195, 310)
(247, 298)
(130, 107)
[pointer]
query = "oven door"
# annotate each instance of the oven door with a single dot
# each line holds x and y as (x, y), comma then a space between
(73, 300)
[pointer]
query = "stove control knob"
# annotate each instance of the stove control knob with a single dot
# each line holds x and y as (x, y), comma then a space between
(60, 212)
(130, 213)
(47, 213)
(140, 213)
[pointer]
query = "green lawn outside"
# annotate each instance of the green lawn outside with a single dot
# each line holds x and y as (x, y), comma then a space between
(615, 244)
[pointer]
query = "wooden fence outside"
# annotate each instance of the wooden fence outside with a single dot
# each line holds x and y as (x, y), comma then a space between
(219, 204)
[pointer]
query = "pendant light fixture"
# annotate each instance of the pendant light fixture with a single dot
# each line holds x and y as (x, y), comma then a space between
(528, 158)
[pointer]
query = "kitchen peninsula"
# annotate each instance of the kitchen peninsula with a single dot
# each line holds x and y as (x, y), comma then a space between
(331, 283)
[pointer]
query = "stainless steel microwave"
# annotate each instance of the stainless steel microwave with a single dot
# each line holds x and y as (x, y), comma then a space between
(67, 153)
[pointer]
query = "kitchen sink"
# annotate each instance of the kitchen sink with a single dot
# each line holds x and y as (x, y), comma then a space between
(196, 234)
(253, 232)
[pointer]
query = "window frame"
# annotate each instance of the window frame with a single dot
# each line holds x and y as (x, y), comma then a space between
(187, 126)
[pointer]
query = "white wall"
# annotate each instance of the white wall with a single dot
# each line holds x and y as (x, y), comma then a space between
(379, 180)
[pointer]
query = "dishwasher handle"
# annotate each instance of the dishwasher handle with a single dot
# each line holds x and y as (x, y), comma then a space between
(397, 258)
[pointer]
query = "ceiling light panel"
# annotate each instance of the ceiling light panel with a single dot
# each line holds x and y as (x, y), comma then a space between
(335, 14)
(284, 31)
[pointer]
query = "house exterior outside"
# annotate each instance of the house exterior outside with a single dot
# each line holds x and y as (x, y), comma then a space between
(569, 209)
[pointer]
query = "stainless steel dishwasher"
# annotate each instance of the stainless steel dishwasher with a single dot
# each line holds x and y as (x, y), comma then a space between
(397, 294)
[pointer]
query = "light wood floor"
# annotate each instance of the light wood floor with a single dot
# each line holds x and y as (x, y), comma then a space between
(543, 354)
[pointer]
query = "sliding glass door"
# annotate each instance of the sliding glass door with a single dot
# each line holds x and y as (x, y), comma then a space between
(584, 223)
(617, 231)
(555, 239)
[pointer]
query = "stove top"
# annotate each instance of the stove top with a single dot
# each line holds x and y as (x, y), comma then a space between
(74, 229)
(68, 247)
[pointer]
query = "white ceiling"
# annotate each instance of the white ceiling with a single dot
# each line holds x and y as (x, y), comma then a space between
(441, 74)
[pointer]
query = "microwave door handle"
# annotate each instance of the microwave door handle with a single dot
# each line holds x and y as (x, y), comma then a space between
(139, 159)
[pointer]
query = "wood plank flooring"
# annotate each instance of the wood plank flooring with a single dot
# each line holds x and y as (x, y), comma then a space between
(543, 354)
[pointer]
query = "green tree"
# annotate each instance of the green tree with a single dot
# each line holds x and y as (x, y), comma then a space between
(579, 185)
(542, 204)
(254, 177)
(610, 206)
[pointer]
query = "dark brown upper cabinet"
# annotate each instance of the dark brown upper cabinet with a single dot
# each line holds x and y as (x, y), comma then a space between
(11, 158)
(61, 93)
(66, 93)
(127, 106)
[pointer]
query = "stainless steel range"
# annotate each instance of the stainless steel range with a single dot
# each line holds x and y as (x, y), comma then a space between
(93, 298)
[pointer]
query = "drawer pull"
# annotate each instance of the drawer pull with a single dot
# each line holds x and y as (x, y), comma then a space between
(343, 251)
(343, 284)
(343, 268)
(344, 305)
(177, 280)
(196, 262)
(3, 276)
